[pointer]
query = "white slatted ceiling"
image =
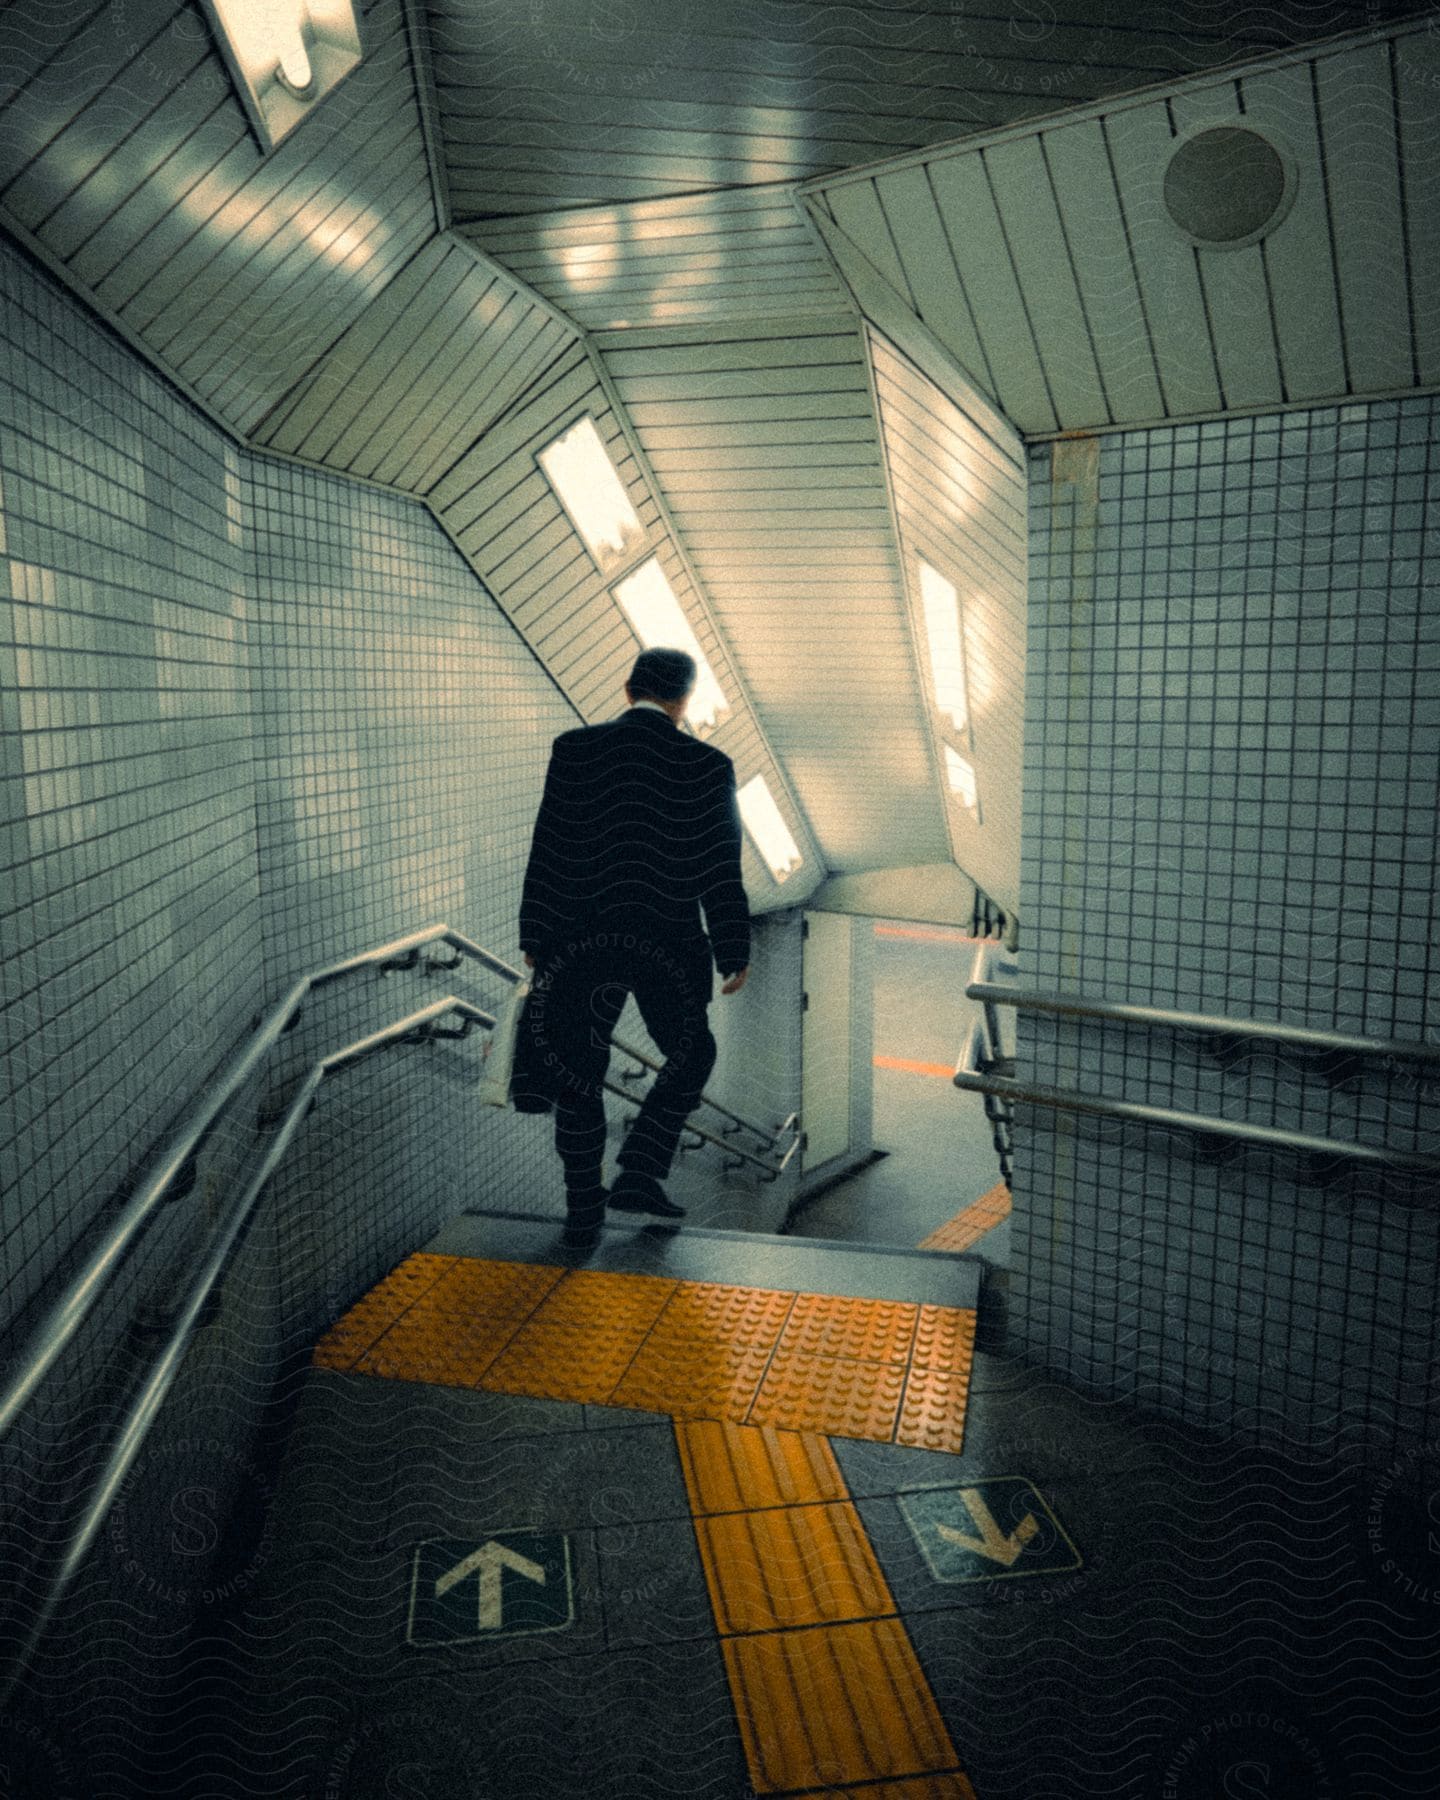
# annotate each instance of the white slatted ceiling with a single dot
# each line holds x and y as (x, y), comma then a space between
(765, 448)
(739, 253)
(500, 509)
(127, 155)
(439, 355)
(960, 499)
(1046, 263)
(565, 103)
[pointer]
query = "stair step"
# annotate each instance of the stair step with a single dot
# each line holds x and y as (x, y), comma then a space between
(739, 1258)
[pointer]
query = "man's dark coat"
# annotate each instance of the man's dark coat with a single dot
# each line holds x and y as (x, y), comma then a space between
(639, 831)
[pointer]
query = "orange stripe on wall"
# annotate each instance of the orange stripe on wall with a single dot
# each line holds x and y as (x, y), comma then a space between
(915, 1068)
(933, 937)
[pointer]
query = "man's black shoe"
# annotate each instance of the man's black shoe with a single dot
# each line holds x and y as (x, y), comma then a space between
(634, 1192)
(583, 1219)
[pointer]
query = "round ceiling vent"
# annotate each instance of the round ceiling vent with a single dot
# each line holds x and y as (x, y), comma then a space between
(1226, 186)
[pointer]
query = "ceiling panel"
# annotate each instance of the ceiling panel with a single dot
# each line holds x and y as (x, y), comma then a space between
(1360, 135)
(801, 572)
(439, 356)
(501, 511)
(1062, 288)
(736, 254)
(959, 487)
(552, 106)
(126, 155)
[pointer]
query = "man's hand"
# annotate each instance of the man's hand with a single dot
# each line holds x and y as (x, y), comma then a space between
(735, 982)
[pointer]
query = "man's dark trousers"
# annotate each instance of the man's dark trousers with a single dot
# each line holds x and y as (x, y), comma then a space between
(580, 987)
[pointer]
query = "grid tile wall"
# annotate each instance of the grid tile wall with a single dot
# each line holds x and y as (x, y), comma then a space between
(254, 718)
(403, 728)
(131, 894)
(1231, 769)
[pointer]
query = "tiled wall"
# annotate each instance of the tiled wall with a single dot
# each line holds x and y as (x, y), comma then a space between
(131, 891)
(1231, 770)
(255, 718)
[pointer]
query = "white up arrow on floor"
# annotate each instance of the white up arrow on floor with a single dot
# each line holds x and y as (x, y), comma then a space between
(488, 1560)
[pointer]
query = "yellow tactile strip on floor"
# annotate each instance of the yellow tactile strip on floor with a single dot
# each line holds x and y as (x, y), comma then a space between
(971, 1224)
(886, 1370)
(827, 1688)
(834, 1704)
(779, 1567)
(731, 1468)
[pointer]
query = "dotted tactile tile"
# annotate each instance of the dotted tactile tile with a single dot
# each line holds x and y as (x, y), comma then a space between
(972, 1222)
(702, 1311)
(832, 1394)
(728, 1467)
(932, 1415)
(430, 1346)
(711, 1383)
(846, 1703)
(558, 1362)
(372, 1315)
(945, 1339)
(693, 1350)
(498, 1290)
(590, 1300)
(782, 1567)
(866, 1330)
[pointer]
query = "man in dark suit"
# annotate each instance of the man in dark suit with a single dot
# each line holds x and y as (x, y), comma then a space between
(638, 832)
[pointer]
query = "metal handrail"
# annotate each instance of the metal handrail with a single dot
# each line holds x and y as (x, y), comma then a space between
(1211, 1024)
(1061, 1098)
(973, 1076)
(64, 1317)
(144, 1404)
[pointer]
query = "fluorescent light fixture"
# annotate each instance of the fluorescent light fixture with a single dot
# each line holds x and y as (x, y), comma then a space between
(770, 832)
(962, 778)
(942, 632)
(579, 469)
(651, 607)
(285, 56)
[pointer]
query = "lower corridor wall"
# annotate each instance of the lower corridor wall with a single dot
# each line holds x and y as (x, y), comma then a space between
(403, 730)
(254, 719)
(1232, 763)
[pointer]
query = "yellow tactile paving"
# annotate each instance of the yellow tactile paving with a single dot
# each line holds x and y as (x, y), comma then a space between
(778, 1568)
(834, 1704)
(694, 1350)
(750, 1318)
(448, 1351)
(712, 1382)
(498, 1290)
(869, 1330)
(564, 1362)
(833, 1394)
(351, 1336)
(729, 1467)
(944, 1339)
(596, 1300)
(932, 1414)
(971, 1224)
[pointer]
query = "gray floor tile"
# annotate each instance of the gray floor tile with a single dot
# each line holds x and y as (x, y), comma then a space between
(610, 1418)
(653, 1584)
(578, 1479)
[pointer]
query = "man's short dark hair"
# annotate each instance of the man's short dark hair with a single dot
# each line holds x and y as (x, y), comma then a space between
(662, 675)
